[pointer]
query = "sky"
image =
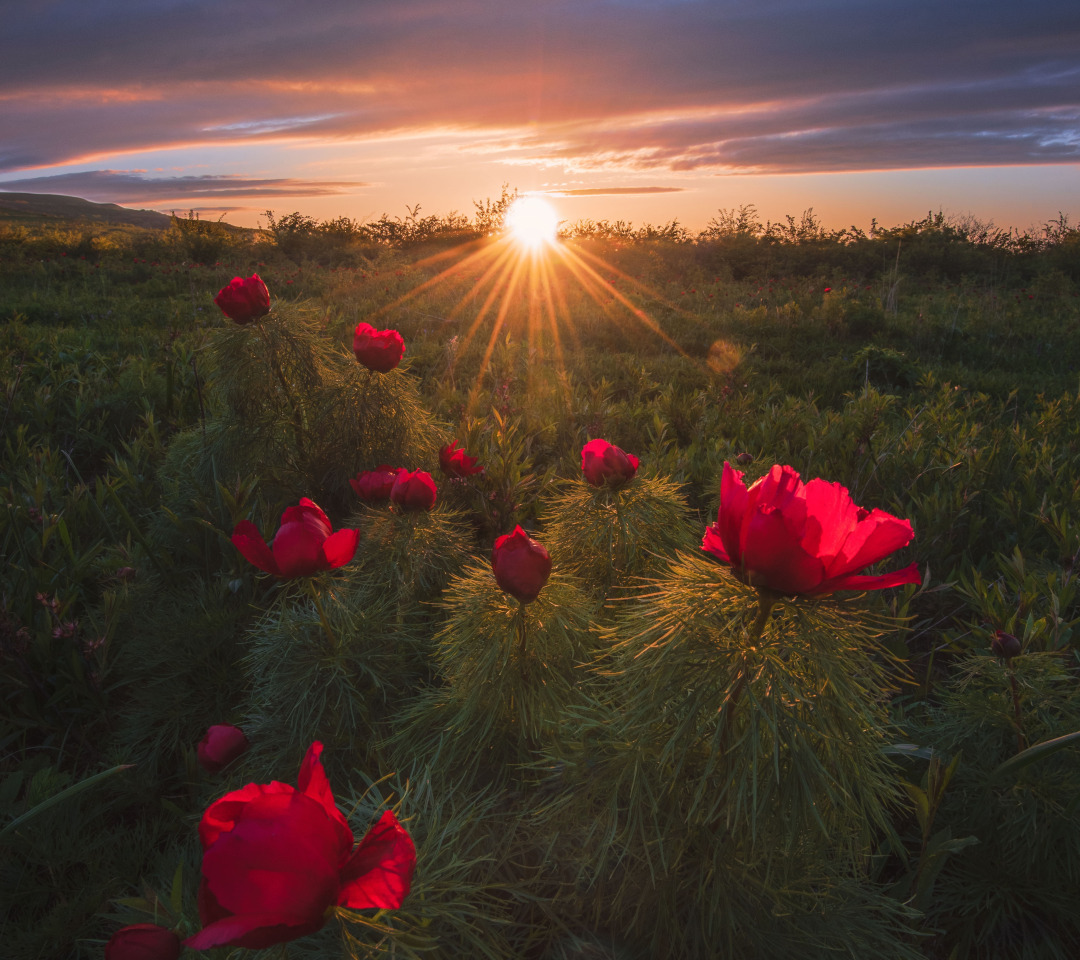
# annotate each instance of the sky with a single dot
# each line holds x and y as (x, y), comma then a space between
(635, 110)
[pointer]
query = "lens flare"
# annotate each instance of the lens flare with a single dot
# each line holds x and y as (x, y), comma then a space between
(532, 222)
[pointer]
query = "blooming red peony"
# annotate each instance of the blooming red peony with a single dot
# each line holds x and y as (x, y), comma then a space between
(414, 490)
(521, 565)
(807, 538)
(379, 350)
(277, 858)
(455, 462)
(374, 485)
(305, 543)
(244, 300)
(221, 745)
(605, 464)
(143, 941)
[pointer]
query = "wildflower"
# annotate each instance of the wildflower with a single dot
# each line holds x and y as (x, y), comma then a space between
(379, 350)
(305, 543)
(521, 565)
(244, 300)
(605, 464)
(276, 858)
(797, 538)
(456, 462)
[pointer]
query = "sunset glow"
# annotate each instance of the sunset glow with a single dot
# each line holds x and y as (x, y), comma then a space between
(532, 222)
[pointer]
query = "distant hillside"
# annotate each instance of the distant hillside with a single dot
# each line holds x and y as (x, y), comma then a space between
(35, 207)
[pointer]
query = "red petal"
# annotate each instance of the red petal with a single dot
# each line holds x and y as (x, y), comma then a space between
(340, 547)
(298, 550)
(910, 574)
(733, 505)
(379, 873)
(773, 557)
(875, 537)
(315, 784)
(254, 931)
(280, 859)
(247, 539)
(222, 814)
(711, 543)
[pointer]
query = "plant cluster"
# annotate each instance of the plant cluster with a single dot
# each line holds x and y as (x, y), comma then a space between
(610, 700)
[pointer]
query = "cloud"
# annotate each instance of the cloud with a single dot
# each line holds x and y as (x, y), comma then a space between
(119, 186)
(721, 86)
(613, 191)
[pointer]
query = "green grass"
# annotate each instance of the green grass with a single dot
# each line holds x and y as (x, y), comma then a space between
(139, 425)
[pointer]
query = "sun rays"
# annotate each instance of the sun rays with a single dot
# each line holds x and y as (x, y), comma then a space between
(528, 283)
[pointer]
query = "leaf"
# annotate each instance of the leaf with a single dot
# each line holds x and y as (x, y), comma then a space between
(922, 804)
(1037, 752)
(908, 750)
(63, 795)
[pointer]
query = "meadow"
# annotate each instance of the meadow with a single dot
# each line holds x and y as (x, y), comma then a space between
(652, 757)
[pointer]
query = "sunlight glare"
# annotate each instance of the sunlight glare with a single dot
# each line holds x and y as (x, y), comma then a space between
(532, 222)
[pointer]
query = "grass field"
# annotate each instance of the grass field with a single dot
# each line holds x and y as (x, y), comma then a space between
(639, 763)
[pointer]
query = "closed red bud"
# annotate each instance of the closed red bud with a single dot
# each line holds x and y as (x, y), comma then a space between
(244, 300)
(1005, 645)
(221, 745)
(521, 565)
(143, 941)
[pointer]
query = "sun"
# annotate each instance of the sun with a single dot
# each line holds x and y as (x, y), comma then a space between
(532, 222)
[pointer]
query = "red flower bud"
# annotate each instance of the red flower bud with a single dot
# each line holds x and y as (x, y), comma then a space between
(379, 350)
(456, 462)
(413, 490)
(803, 538)
(304, 545)
(244, 300)
(603, 463)
(1005, 645)
(521, 565)
(374, 485)
(276, 858)
(143, 941)
(221, 745)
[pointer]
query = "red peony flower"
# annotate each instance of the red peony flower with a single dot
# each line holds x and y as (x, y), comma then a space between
(604, 463)
(414, 490)
(143, 941)
(304, 544)
(374, 485)
(276, 858)
(521, 565)
(221, 745)
(808, 538)
(379, 350)
(456, 462)
(244, 300)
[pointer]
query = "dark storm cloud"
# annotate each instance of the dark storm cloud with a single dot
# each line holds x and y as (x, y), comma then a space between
(779, 85)
(127, 187)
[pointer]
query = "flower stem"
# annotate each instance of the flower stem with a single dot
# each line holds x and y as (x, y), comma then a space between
(766, 601)
(330, 635)
(522, 646)
(1021, 740)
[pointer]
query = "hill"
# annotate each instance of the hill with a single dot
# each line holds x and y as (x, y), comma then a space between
(27, 208)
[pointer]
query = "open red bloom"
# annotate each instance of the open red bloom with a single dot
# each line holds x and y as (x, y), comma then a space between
(414, 490)
(456, 462)
(803, 538)
(305, 543)
(143, 941)
(374, 485)
(276, 858)
(244, 300)
(521, 565)
(221, 745)
(604, 463)
(379, 350)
